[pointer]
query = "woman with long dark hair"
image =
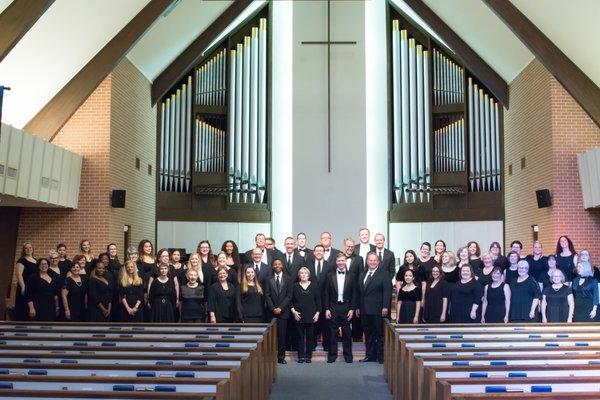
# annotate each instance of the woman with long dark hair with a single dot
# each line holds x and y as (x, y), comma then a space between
(436, 297)
(233, 255)
(146, 260)
(408, 297)
(566, 257)
(439, 248)
(499, 259)
(411, 263)
(25, 267)
(475, 256)
(42, 293)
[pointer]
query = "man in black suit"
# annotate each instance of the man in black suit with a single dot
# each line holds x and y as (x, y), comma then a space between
(387, 259)
(270, 245)
(292, 260)
(319, 269)
(262, 270)
(301, 246)
(329, 253)
(375, 297)
(278, 296)
(340, 301)
(355, 266)
(364, 247)
(267, 255)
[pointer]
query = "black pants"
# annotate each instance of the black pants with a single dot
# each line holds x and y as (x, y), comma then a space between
(306, 334)
(373, 326)
(322, 328)
(254, 320)
(357, 329)
(282, 324)
(339, 318)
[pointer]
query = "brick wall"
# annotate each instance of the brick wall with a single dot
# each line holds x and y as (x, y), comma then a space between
(547, 127)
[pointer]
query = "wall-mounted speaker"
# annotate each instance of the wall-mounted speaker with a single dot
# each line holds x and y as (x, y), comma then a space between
(117, 199)
(543, 198)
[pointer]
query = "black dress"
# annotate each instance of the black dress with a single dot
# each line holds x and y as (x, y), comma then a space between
(476, 263)
(222, 302)
(586, 296)
(132, 294)
(434, 297)
(521, 297)
(566, 265)
(162, 298)
(409, 304)
(250, 305)
(452, 276)
(145, 270)
(99, 293)
(537, 267)
(21, 310)
(77, 292)
(483, 278)
(418, 273)
(510, 275)
(307, 302)
(43, 294)
(501, 262)
(193, 303)
(557, 305)
(496, 306)
(65, 266)
(462, 298)
(427, 266)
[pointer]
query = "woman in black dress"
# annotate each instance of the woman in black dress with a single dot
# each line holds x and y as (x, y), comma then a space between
(221, 299)
(64, 264)
(465, 297)
(42, 293)
(475, 256)
(558, 304)
(496, 299)
(306, 304)
(440, 248)
(54, 268)
(207, 257)
(74, 294)
(517, 247)
(511, 273)
(146, 262)
(86, 250)
(463, 257)
(408, 300)
(411, 263)
(233, 255)
(449, 268)
(485, 272)
(163, 295)
(114, 265)
(131, 293)
(525, 296)
(436, 298)
(546, 279)
(232, 276)
(79, 259)
(25, 267)
(250, 299)
(497, 256)
(585, 292)
(177, 267)
(193, 304)
(426, 261)
(100, 294)
(538, 263)
(566, 257)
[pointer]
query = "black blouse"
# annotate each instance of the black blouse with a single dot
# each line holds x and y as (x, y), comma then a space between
(306, 301)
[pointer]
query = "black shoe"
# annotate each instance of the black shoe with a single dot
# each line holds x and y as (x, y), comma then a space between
(367, 359)
(348, 361)
(331, 360)
(308, 361)
(301, 360)
(380, 361)
(282, 361)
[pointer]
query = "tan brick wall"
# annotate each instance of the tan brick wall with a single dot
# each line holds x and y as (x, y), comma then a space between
(547, 127)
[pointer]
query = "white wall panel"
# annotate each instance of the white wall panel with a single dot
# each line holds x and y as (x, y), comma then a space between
(6, 130)
(63, 190)
(55, 177)
(46, 174)
(37, 162)
(25, 166)
(12, 163)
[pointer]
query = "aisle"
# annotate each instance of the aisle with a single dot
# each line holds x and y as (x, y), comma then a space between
(319, 380)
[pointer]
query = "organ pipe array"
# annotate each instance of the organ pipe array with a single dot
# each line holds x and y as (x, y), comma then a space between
(448, 79)
(484, 140)
(247, 117)
(411, 116)
(210, 148)
(175, 140)
(450, 147)
(211, 81)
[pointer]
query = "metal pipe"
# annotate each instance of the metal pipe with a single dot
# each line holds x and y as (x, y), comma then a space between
(238, 121)
(488, 141)
(476, 149)
(246, 119)
(396, 110)
(231, 115)
(471, 135)
(420, 159)
(412, 55)
(188, 136)
(262, 111)
(426, 126)
(481, 140)
(162, 145)
(253, 113)
(405, 113)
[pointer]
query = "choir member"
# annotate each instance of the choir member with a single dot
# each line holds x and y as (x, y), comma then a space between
(566, 257)
(270, 245)
(465, 296)
(114, 265)
(485, 273)
(584, 255)
(266, 254)
(319, 269)
(463, 256)
(301, 246)
(193, 303)
(525, 296)
(194, 263)
(426, 261)
(475, 255)
(131, 293)
(354, 262)
(54, 268)
(306, 307)
(411, 264)
(375, 291)
(74, 293)
(261, 269)
(517, 247)
(511, 272)
(79, 259)
(387, 259)
(496, 299)
(558, 304)
(232, 276)
(207, 261)
(538, 263)
(546, 279)
(585, 292)
(450, 267)
(499, 259)
(132, 254)
(63, 262)
(329, 252)
(86, 250)
(41, 294)
(436, 297)
(250, 299)
(364, 247)
(439, 248)
(177, 268)
(233, 255)
(408, 299)
(163, 294)
(100, 293)
(146, 260)
(340, 301)
(292, 259)
(221, 299)
(278, 295)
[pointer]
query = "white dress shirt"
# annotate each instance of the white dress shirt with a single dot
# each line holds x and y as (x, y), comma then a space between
(341, 280)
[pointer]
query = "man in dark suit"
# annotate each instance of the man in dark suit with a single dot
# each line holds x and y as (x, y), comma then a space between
(301, 246)
(364, 247)
(278, 296)
(355, 266)
(262, 270)
(375, 297)
(329, 253)
(319, 269)
(340, 301)
(267, 255)
(270, 245)
(387, 259)
(292, 260)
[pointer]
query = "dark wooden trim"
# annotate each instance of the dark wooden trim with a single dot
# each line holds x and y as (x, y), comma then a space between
(490, 78)
(193, 53)
(50, 119)
(16, 21)
(10, 217)
(574, 80)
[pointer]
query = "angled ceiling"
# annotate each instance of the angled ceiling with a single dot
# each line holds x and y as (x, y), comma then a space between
(4, 4)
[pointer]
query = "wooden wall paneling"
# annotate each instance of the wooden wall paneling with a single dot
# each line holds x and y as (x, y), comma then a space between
(10, 217)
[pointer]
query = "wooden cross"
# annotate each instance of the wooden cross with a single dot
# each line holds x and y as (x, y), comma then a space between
(328, 43)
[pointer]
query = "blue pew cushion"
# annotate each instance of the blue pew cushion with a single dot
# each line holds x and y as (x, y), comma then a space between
(98, 335)
(430, 336)
(108, 344)
(4, 371)
(185, 374)
(222, 345)
(498, 363)
(495, 389)
(145, 374)
(123, 388)
(467, 345)
(582, 344)
(69, 361)
(165, 388)
(479, 353)
(460, 363)
(37, 372)
(227, 337)
(192, 345)
(6, 385)
(517, 375)
(478, 375)
(31, 360)
(456, 336)
(164, 362)
(234, 329)
(541, 388)
(126, 335)
(212, 328)
(80, 344)
(535, 336)
(438, 345)
(198, 363)
(201, 336)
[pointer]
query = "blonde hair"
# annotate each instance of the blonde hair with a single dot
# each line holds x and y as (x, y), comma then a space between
(188, 266)
(304, 269)
(124, 276)
(451, 258)
(245, 283)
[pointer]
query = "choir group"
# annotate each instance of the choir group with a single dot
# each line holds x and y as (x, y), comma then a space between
(317, 292)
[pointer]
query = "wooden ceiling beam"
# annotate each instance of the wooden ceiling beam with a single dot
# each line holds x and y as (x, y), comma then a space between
(52, 117)
(17, 19)
(482, 71)
(574, 80)
(193, 53)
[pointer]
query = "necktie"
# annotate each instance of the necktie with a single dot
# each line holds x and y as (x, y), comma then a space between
(289, 260)
(277, 283)
(341, 272)
(368, 278)
(319, 268)
(380, 256)
(257, 267)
